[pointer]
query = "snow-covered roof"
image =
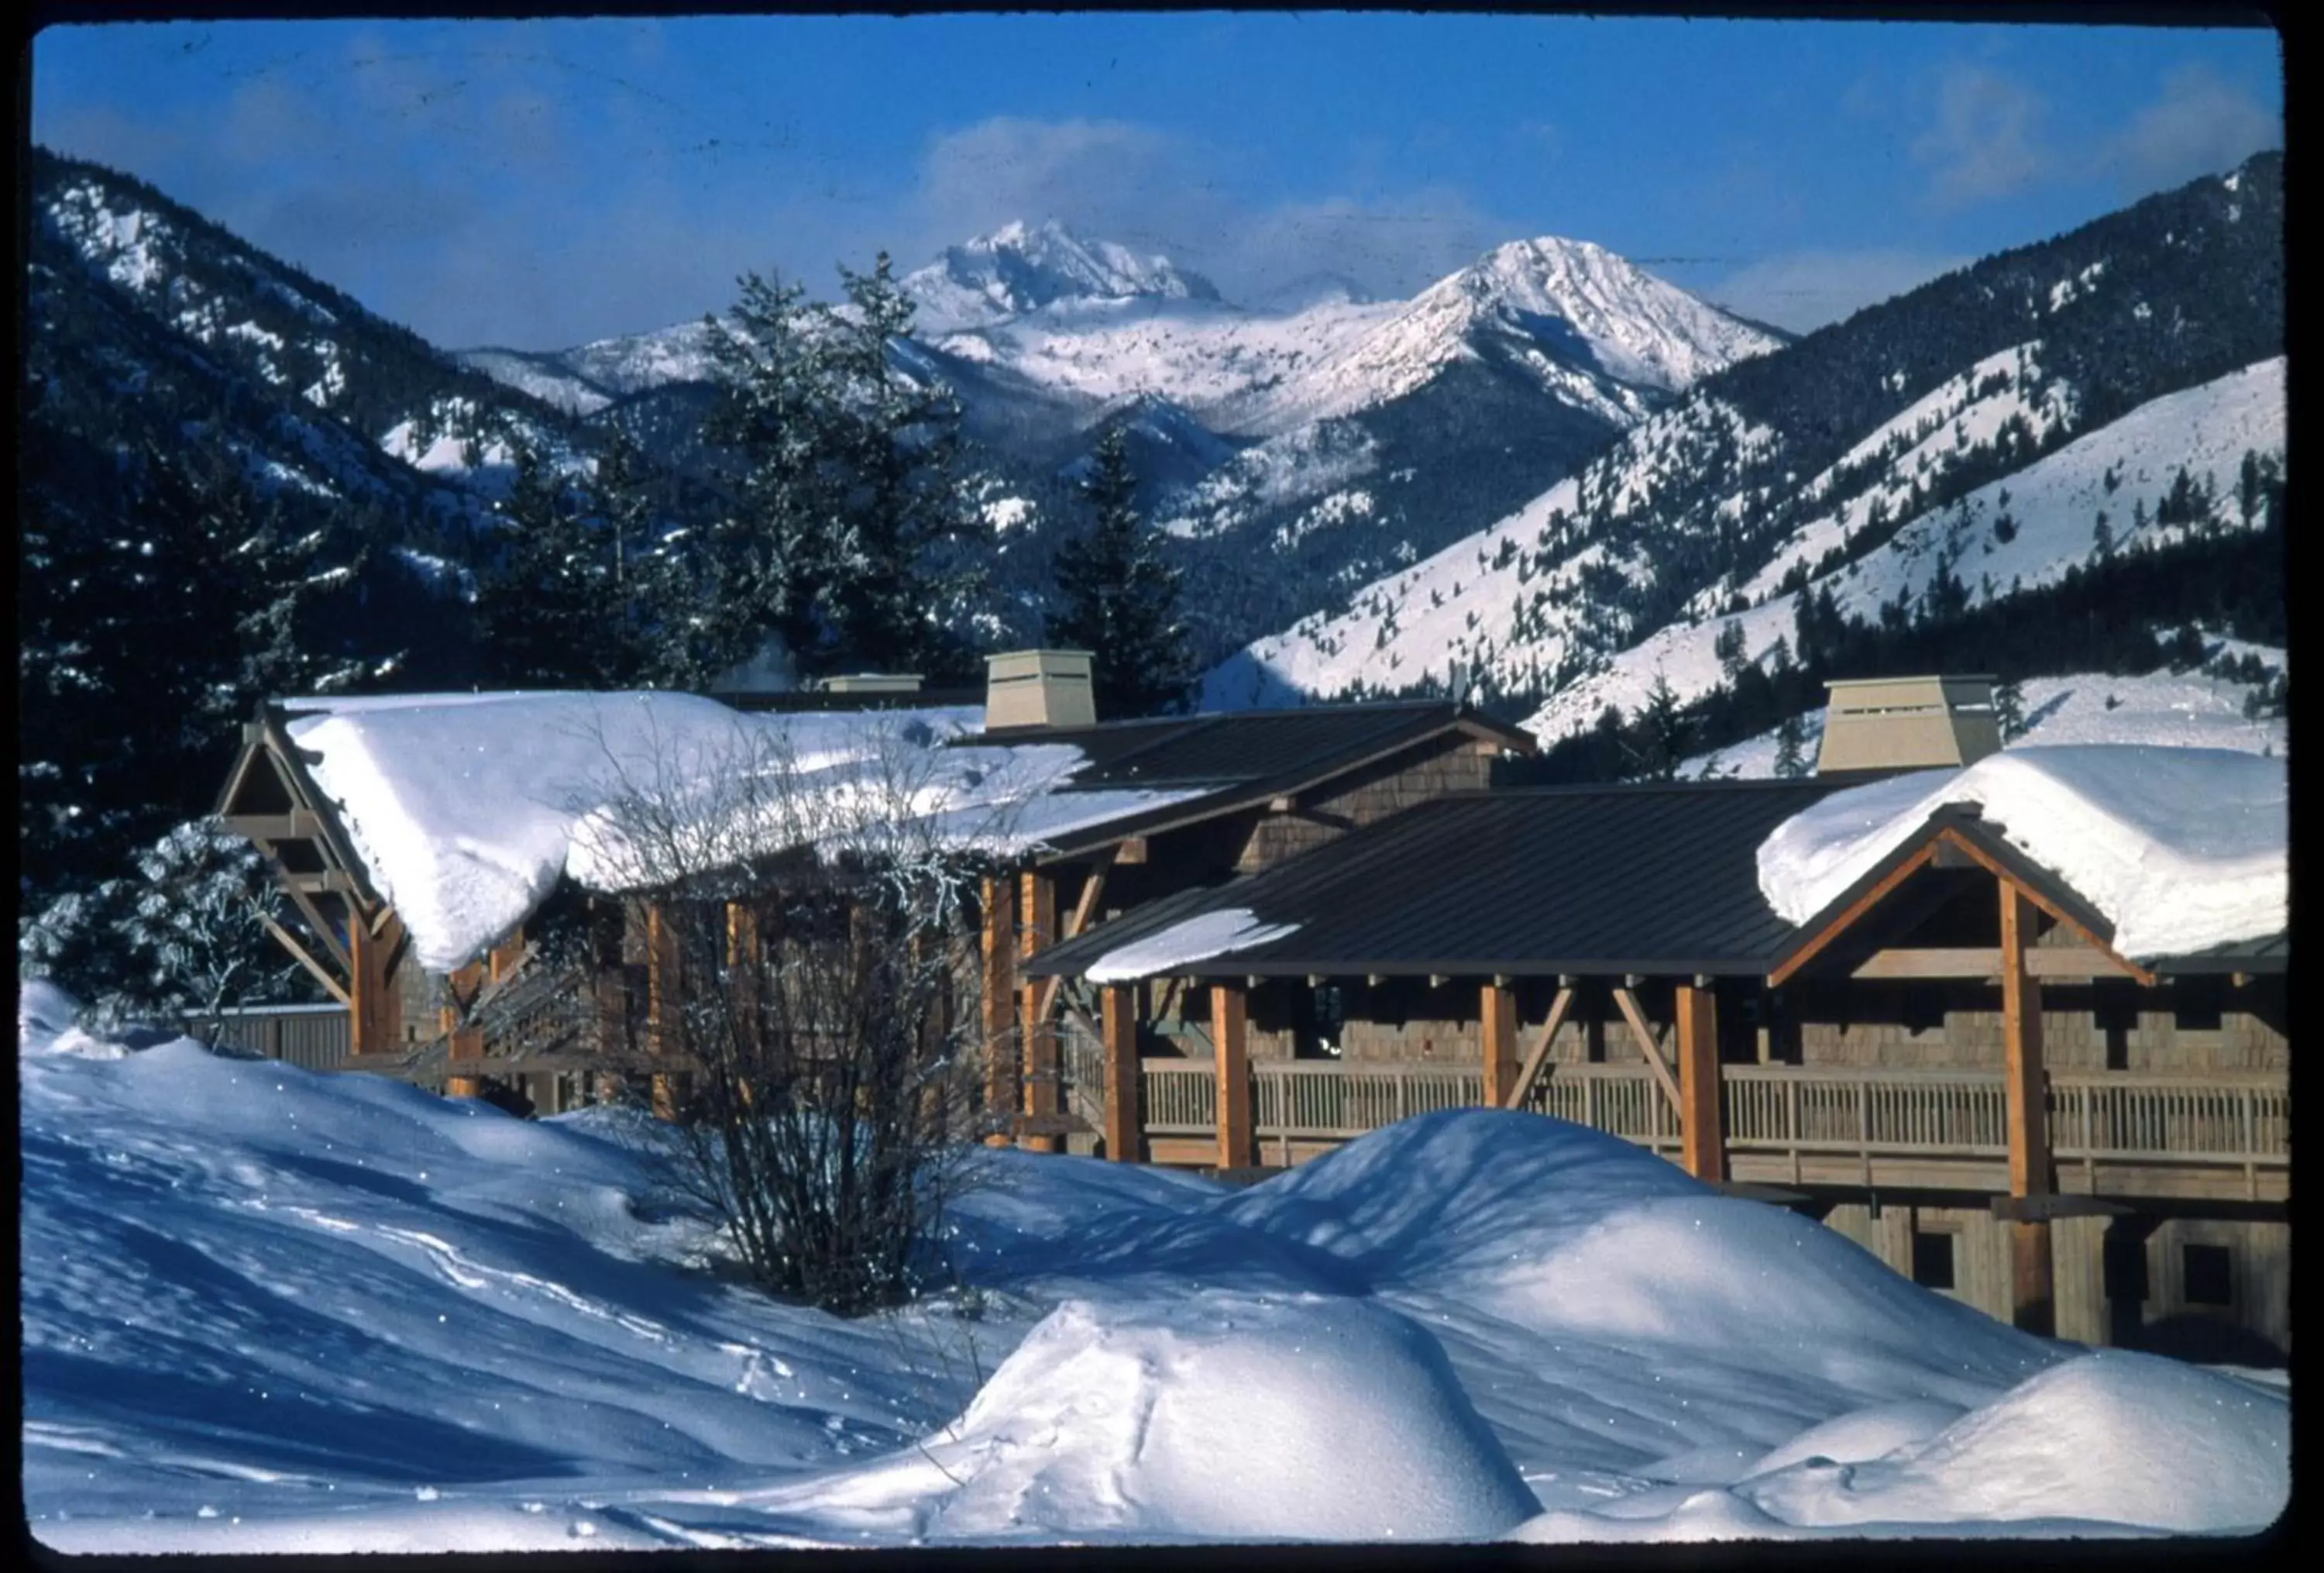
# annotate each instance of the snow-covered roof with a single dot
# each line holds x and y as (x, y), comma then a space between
(1195, 939)
(468, 809)
(2181, 849)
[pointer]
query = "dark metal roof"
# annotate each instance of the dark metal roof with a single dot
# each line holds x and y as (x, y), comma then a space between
(1647, 878)
(2271, 954)
(1244, 757)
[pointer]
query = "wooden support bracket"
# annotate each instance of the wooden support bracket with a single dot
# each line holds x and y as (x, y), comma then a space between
(1628, 1002)
(1538, 1055)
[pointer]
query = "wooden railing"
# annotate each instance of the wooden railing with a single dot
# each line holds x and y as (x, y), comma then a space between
(2095, 1116)
(1319, 1099)
(1622, 1100)
(2223, 1118)
(314, 1036)
(1789, 1108)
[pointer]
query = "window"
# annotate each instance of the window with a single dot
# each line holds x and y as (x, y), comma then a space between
(2208, 1280)
(1933, 1257)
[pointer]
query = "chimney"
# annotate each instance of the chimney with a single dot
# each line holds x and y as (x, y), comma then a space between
(1907, 723)
(1039, 688)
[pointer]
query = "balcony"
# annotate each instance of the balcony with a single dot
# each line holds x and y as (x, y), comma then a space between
(2217, 1137)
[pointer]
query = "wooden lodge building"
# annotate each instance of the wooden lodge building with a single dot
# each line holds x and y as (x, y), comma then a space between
(1950, 1064)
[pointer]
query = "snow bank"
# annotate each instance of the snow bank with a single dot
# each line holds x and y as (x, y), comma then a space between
(1208, 934)
(263, 1309)
(1570, 1232)
(2113, 1436)
(2181, 849)
(45, 1024)
(468, 809)
(1230, 1415)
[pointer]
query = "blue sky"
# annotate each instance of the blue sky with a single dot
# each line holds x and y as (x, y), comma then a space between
(540, 183)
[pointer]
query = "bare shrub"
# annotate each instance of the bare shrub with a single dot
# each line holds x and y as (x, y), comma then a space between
(816, 1042)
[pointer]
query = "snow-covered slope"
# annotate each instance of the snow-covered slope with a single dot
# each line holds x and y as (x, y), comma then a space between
(332, 379)
(1979, 425)
(2188, 709)
(266, 1310)
(1592, 328)
(1299, 449)
(2023, 530)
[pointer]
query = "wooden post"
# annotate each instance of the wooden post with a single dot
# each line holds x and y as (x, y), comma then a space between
(1238, 1135)
(664, 987)
(376, 1016)
(745, 955)
(1124, 1129)
(1701, 1141)
(2032, 1295)
(609, 988)
(467, 1042)
(999, 1005)
(1499, 1007)
(1038, 907)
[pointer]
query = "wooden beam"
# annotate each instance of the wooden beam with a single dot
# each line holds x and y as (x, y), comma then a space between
(2021, 1030)
(2031, 1298)
(284, 938)
(323, 928)
(376, 1006)
(2075, 963)
(1846, 918)
(1497, 1007)
(329, 881)
(663, 994)
(1037, 929)
(1084, 910)
(1702, 1142)
(1133, 849)
(1992, 865)
(298, 825)
(1629, 1002)
(1000, 1003)
(745, 964)
(1539, 1055)
(467, 1041)
(1124, 1127)
(1238, 1135)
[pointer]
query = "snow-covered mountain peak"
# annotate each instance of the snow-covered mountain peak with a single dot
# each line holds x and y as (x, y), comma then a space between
(1023, 267)
(1637, 327)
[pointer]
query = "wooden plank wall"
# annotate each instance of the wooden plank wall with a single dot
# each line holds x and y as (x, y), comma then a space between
(2189, 1026)
(1430, 770)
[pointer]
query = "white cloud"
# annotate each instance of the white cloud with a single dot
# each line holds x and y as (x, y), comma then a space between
(2201, 124)
(1164, 194)
(1983, 141)
(1803, 290)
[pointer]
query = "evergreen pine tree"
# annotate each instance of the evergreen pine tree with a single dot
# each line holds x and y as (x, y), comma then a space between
(772, 430)
(1118, 598)
(2009, 709)
(548, 610)
(1791, 743)
(1660, 736)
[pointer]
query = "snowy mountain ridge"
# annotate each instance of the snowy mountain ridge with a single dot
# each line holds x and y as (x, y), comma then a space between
(1288, 452)
(1022, 267)
(1970, 438)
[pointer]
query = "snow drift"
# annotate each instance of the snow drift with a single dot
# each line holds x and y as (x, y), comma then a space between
(2181, 849)
(1235, 1416)
(266, 1310)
